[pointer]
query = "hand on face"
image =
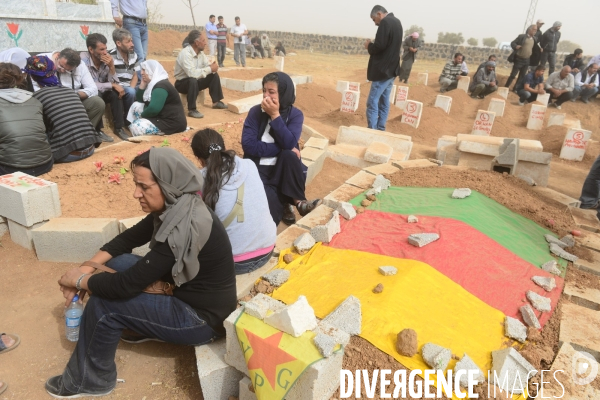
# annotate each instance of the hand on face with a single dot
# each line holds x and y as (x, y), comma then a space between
(271, 106)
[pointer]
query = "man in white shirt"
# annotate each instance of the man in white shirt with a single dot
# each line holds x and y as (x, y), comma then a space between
(212, 34)
(239, 33)
(560, 85)
(193, 73)
(586, 84)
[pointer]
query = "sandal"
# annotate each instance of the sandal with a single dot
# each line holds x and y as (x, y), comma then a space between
(288, 215)
(3, 387)
(304, 207)
(3, 348)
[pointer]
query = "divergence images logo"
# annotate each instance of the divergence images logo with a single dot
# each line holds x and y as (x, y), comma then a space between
(585, 368)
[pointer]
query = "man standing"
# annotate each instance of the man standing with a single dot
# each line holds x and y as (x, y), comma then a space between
(575, 61)
(384, 65)
(134, 20)
(410, 45)
(484, 81)
(560, 85)
(586, 84)
(533, 85)
(549, 45)
(239, 32)
(522, 50)
(221, 41)
(451, 74)
(126, 67)
(212, 34)
(193, 73)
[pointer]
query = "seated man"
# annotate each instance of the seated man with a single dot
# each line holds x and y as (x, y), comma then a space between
(127, 67)
(575, 61)
(464, 69)
(193, 74)
(102, 70)
(280, 50)
(533, 85)
(451, 74)
(492, 57)
(72, 73)
(560, 85)
(266, 44)
(484, 81)
(250, 47)
(256, 43)
(586, 84)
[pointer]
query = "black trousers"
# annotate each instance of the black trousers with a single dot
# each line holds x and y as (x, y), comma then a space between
(566, 96)
(520, 67)
(116, 106)
(284, 182)
(221, 49)
(193, 86)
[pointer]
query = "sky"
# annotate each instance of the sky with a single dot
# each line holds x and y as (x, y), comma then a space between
(503, 20)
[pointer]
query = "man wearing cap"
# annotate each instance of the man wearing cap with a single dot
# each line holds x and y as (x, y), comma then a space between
(484, 81)
(575, 61)
(549, 44)
(410, 45)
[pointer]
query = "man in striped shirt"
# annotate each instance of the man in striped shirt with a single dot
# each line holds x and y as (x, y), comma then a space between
(127, 67)
(451, 74)
(221, 41)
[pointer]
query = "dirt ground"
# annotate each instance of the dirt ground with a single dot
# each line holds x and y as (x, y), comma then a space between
(32, 303)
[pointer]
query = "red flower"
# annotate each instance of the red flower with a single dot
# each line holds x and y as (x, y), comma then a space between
(116, 178)
(13, 28)
(84, 29)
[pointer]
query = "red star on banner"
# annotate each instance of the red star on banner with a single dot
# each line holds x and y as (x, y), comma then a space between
(267, 355)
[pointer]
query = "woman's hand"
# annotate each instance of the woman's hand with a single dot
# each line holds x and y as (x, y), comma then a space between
(271, 107)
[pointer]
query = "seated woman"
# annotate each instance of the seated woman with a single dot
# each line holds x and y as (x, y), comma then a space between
(158, 109)
(68, 128)
(280, 50)
(23, 143)
(270, 139)
(189, 249)
(233, 189)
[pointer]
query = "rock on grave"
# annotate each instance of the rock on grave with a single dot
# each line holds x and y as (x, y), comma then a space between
(552, 267)
(546, 283)
(260, 305)
(346, 210)
(378, 288)
(551, 239)
(497, 106)
(575, 144)
(325, 344)
(540, 303)
(529, 316)
(437, 357)
(461, 193)
(381, 182)
(412, 219)
(304, 243)
(556, 119)
(514, 329)
(422, 239)
(324, 233)
(374, 191)
(556, 250)
(463, 83)
(569, 240)
(401, 97)
(483, 123)
(388, 270)
(406, 343)
(346, 317)
(422, 78)
(277, 277)
(467, 364)
(503, 92)
(509, 366)
(536, 117)
(412, 113)
(294, 319)
(350, 101)
(443, 102)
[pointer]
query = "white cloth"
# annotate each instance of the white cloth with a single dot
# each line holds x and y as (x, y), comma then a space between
(156, 73)
(80, 79)
(238, 30)
(15, 56)
(140, 126)
(267, 138)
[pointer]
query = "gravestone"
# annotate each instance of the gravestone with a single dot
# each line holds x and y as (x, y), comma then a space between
(483, 123)
(575, 144)
(556, 119)
(279, 63)
(497, 106)
(503, 91)
(350, 101)
(543, 98)
(342, 86)
(354, 86)
(536, 117)
(393, 94)
(412, 113)
(401, 97)
(422, 78)
(463, 83)
(443, 102)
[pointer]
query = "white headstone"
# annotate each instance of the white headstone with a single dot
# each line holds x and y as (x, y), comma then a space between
(443, 102)
(556, 119)
(497, 106)
(483, 123)
(543, 98)
(354, 86)
(463, 83)
(342, 86)
(393, 94)
(503, 91)
(536, 117)
(350, 101)
(422, 78)
(279, 63)
(401, 96)
(575, 144)
(412, 113)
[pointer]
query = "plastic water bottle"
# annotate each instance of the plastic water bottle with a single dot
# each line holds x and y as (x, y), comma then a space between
(73, 319)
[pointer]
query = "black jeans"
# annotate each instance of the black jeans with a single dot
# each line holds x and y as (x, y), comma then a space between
(33, 171)
(118, 105)
(193, 86)
(590, 193)
(221, 50)
(520, 66)
(566, 96)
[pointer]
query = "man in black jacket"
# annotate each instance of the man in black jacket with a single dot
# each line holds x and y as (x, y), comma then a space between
(384, 65)
(575, 61)
(549, 44)
(523, 47)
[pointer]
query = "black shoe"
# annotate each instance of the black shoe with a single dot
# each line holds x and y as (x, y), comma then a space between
(121, 134)
(55, 388)
(104, 137)
(195, 114)
(289, 218)
(304, 207)
(219, 105)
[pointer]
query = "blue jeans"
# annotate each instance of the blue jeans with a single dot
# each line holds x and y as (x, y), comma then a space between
(72, 157)
(590, 192)
(585, 93)
(139, 35)
(92, 368)
(378, 104)
(245, 267)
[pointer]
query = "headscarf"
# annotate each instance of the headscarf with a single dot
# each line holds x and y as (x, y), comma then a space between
(41, 69)
(557, 24)
(415, 35)
(287, 97)
(490, 64)
(156, 73)
(186, 223)
(15, 55)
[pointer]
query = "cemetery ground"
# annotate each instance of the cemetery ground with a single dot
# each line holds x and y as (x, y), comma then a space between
(32, 305)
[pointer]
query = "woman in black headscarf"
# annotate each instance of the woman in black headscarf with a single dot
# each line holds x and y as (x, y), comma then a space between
(270, 139)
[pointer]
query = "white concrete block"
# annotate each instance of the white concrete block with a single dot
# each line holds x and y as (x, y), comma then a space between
(277, 277)
(437, 357)
(422, 239)
(524, 144)
(514, 329)
(539, 302)
(401, 96)
(461, 193)
(295, 319)
(443, 102)
(22, 235)
(483, 123)
(381, 182)
(73, 239)
(340, 336)
(234, 355)
(543, 98)
(529, 316)
(319, 216)
(422, 78)
(27, 199)
(463, 83)
(3, 226)
(341, 86)
(575, 144)
(497, 107)
(363, 137)
(308, 132)
(346, 317)
(325, 344)
(304, 243)
(467, 364)
(535, 120)
(245, 282)
(325, 233)
(388, 270)
(262, 305)
(317, 143)
(393, 94)
(503, 91)
(544, 282)
(278, 63)
(244, 105)
(412, 113)
(343, 193)
(379, 153)
(556, 119)
(199, 99)
(509, 363)
(218, 380)
(350, 101)
(346, 210)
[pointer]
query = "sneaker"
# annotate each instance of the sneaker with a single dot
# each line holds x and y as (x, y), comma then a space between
(195, 114)
(586, 101)
(442, 90)
(121, 134)
(304, 206)
(521, 104)
(55, 388)
(289, 218)
(473, 96)
(557, 106)
(104, 137)
(219, 105)
(129, 336)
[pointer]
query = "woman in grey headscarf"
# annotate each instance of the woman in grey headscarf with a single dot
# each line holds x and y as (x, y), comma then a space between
(190, 249)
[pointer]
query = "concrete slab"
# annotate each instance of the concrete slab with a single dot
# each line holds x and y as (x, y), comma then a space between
(535, 156)
(503, 91)
(585, 297)
(535, 120)
(463, 83)
(378, 152)
(579, 327)
(475, 161)
(524, 144)
(422, 78)
(497, 106)
(543, 99)
(571, 368)
(304, 243)
(556, 119)
(244, 105)
(354, 155)
(286, 238)
(241, 85)
(362, 180)
(125, 224)
(585, 219)
(401, 96)
(319, 216)
(312, 154)
(381, 169)
(443, 102)
(420, 163)
(412, 113)
(479, 148)
(360, 136)
(313, 159)
(484, 121)
(449, 155)
(540, 173)
(350, 100)
(218, 380)
(592, 265)
(308, 132)
(22, 235)
(556, 196)
(510, 366)
(199, 99)
(575, 144)
(317, 143)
